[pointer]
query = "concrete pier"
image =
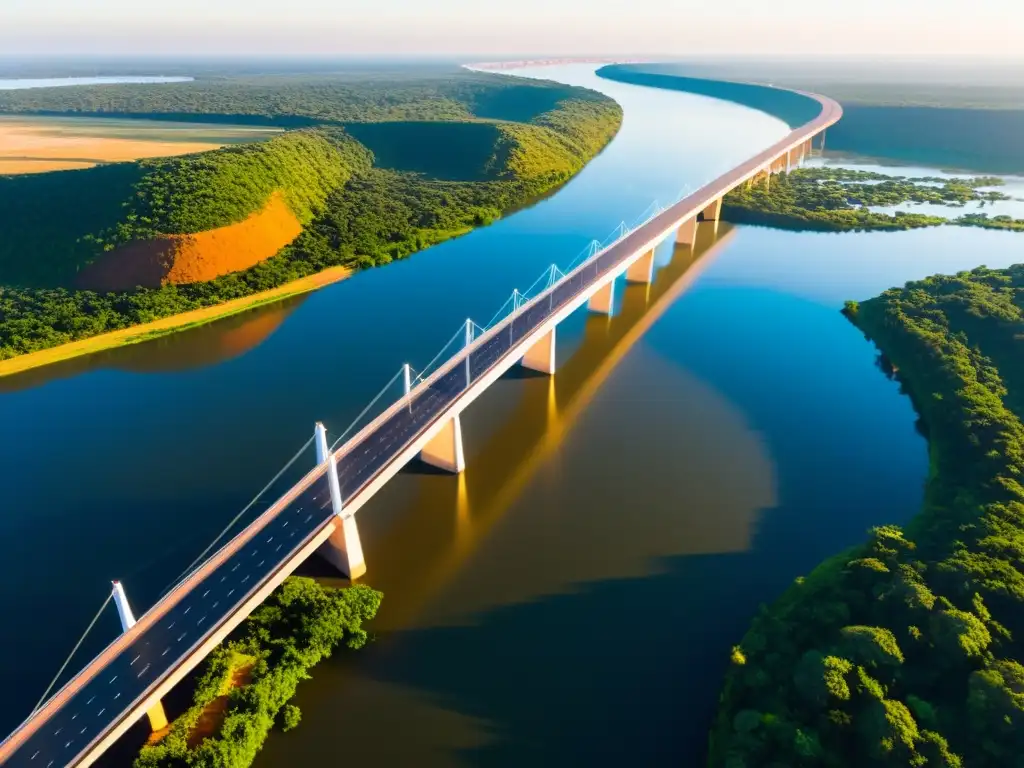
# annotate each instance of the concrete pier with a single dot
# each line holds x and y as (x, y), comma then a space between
(541, 356)
(713, 210)
(601, 302)
(687, 232)
(641, 270)
(343, 549)
(444, 450)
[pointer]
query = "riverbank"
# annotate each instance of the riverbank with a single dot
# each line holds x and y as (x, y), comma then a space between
(149, 331)
(906, 649)
(106, 242)
(248, 680)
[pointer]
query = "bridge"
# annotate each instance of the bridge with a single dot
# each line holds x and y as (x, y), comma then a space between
(129, 678)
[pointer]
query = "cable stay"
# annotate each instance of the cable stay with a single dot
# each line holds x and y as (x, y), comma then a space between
(194, 565)
(459, 334)
(378, 396)
(501, 310)
(70, 655)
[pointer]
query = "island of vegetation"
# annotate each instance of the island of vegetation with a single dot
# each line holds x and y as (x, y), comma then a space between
(840, 199)
(908, 650)
(246, 683)
(372, 168)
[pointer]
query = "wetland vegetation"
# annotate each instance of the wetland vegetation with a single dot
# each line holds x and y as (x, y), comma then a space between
(840, 199)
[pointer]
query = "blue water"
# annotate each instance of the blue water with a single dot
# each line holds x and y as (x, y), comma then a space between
(573, 597)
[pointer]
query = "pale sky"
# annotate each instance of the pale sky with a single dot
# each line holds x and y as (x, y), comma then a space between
(485, 27)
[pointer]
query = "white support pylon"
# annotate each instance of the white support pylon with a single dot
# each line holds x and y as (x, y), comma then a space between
(344, 548)
(157, 716)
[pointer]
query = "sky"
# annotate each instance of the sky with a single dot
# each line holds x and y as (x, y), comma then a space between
(992, 28)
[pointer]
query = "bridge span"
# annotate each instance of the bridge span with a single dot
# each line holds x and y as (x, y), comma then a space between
(129, 678)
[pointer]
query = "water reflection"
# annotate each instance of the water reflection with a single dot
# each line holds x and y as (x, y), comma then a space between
(198, 347)
(545, 464)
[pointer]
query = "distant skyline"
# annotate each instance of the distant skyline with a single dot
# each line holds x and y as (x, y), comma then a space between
(529, 27)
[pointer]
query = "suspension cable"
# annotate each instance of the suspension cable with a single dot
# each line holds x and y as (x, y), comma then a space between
(459, 334)
(191, 567)
(70, 655)
(497, 315)
(385, 388)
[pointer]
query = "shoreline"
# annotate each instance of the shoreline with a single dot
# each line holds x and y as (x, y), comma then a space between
(172, 324)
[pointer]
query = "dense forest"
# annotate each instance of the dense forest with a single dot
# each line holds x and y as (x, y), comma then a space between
(839, 199)
(366, 193)
(907, 650)
(300, 624)
(56, 223)
(293, 100)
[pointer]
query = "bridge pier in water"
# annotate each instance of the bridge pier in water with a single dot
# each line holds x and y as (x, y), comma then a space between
(641, 270)
(601, 301)
(687, 232)
(541, 356)
(157, 716)
(343, 549)
(444, 449)
(713, 210)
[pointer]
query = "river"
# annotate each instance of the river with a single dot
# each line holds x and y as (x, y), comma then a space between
(572, 598)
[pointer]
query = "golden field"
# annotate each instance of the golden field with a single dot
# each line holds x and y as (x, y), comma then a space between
(39, 144)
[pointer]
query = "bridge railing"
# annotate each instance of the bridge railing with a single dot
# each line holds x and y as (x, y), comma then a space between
(412, 414)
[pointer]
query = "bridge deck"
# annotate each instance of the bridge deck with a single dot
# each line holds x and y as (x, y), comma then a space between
(99, 703)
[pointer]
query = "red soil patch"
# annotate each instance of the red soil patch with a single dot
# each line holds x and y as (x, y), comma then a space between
(213, 715)
(174, 259)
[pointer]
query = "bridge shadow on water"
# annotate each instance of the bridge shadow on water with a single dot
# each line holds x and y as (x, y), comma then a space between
(601, 670)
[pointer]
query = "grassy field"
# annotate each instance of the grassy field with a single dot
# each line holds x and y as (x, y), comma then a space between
(166, 325)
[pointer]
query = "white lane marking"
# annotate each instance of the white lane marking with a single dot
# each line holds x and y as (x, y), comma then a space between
(100, 713)
(286, 523)
(90, 701)
(279, 547)
(223, 579)
(180, 636)
(206, 593)
(245, 579)
(83, 730)
(261, 563)
(230, 593)
(67, 745)
(112, 679)
(187, 610)
(308, 518)
(34, 755)
(74, 716)
(270, 539)
(171, 625)
(215, 605)
(116, 697)
(57, 731)
(236, 567)
(144, 670)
